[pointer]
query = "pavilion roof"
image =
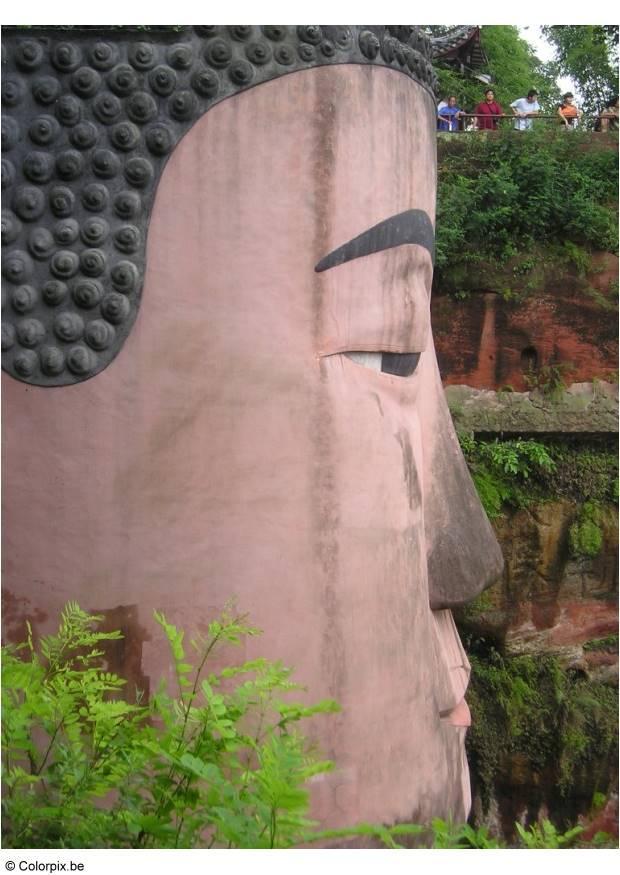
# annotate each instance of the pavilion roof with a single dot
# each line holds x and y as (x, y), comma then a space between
(460, 43)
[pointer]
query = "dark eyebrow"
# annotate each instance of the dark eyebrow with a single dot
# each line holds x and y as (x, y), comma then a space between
(412, 226)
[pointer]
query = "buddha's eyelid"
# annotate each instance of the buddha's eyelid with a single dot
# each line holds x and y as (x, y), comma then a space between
(411, 226)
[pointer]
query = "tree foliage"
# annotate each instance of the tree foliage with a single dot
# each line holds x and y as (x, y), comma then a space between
(514, 473)
(513, 66)
(498, 198)
(501, 470)
(588, 53)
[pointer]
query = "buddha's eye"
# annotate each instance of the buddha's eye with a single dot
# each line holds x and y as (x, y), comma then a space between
(399, 364)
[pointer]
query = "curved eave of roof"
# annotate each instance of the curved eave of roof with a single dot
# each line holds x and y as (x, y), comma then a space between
(452, 44)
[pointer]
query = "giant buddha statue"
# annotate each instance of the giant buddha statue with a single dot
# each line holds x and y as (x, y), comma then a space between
(220, 378)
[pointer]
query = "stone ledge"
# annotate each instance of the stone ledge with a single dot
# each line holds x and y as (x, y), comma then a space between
(583, 408)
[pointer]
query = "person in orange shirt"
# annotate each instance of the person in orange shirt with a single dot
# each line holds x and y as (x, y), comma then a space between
(568, 112)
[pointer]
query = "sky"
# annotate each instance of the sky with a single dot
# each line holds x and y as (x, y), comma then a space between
(544, 51)
(328, 11)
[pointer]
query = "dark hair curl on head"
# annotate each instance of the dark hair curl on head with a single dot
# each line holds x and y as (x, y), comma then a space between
(124, 99)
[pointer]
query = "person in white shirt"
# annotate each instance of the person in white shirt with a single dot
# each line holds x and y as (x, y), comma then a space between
(440, 106)
(524, 109)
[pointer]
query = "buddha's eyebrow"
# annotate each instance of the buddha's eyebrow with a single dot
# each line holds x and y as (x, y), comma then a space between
(412, 226)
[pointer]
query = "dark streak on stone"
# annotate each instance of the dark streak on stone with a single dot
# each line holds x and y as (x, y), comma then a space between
(379, 405)
(409, 470)
(16, 611)
(325, 510)
(124, 656)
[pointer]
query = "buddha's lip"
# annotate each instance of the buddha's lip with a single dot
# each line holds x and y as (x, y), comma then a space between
(460, 715)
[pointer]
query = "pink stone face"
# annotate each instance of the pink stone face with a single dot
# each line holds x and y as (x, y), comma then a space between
(233, 448)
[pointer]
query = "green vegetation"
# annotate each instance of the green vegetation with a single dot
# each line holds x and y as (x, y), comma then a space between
(446, 836)
(513, 65)
(546, 836)
(607, 644)
(502, 470)
(515, 213)
(519, 205)
(529, 713)
(537, 836)
(219, 764)
(548, 379)
(585, 537)
(588, 53)
(513, 473)
(581, 471)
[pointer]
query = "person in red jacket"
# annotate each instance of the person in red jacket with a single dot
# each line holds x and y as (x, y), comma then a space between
(487, 112)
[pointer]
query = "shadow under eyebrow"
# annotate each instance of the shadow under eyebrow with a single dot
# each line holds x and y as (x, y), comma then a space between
(412, 226)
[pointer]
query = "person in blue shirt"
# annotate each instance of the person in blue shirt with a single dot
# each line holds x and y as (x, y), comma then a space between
(449, 115)
(524, 109)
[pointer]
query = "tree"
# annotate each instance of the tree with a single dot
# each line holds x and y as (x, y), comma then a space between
(513, 66)
(588, 53)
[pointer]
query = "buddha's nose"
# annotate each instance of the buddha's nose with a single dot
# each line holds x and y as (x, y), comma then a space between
(462, 551)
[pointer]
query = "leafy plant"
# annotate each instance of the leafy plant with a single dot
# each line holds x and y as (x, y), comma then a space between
(548, 379)
(500, 469)
(578, 257)
(67, 739)
(521, 208)
(585, 472)
(219, 763)
(537, 836)
(546, 836)
(582, 472)
(462, 836)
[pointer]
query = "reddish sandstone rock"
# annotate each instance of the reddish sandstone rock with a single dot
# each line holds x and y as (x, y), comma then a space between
(605, 821)
(499, 332)
(548, 601)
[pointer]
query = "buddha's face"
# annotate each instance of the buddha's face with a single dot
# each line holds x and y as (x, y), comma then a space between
(278, 433)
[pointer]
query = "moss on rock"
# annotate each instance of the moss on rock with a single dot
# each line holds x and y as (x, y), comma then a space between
(546, 735)
(585, 536)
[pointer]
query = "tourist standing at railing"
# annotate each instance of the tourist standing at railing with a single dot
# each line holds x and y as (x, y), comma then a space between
(440, 106)
(487, 112)
(608, 119)
(449, 116)
(525, 108)
(568, 112)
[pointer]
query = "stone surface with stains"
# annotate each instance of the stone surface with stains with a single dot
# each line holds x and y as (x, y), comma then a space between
(580, 409)
(488, 342)
(232, 449)
(548, 601)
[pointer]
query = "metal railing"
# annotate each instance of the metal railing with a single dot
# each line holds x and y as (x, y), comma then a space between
(507, 120)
